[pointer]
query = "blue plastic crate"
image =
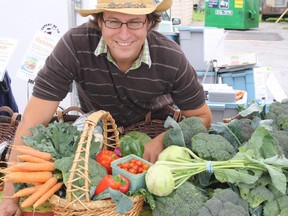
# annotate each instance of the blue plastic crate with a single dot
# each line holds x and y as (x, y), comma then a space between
(242, 79)
(222, 110)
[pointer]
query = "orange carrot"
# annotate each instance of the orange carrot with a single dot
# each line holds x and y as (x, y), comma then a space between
(27, 177)
(40, 192)
(31, 151)
(30, 158)
(27, 191)
(35, 167)
(48, 194)
(13, 169)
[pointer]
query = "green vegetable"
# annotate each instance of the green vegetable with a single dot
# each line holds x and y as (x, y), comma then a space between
(173, 152)
(186, 200)
(278, 112)
(58, 138)
(212, 147)
(159, 180)
(277, 207)
(224, 202)
(133, 143)
(239, 169)
(96, 171)
(242, 128)
(188, 128)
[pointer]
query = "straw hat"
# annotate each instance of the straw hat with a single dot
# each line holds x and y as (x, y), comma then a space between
(134, 7)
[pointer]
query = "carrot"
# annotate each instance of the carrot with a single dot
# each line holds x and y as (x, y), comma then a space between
(48, 194)
(31, 151)
(27, 177)
(47, 166)
(40, 192)
(13, 169)
(30, 158)
(26, 191)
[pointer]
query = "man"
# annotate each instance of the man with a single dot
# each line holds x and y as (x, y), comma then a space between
(120, 65)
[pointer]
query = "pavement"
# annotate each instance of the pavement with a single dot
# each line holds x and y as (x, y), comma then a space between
(269, 41)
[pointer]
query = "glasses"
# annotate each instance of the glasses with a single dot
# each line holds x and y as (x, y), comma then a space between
(134, 25)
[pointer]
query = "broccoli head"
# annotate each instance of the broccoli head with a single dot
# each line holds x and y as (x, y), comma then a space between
(185, 200)
(212, 147)
(281, 137)
(189, 127)
(278, 112)
(277, 207)
(225, 202)
(242, 128)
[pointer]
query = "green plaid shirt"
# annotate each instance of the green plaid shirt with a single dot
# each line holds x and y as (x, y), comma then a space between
(144, 56)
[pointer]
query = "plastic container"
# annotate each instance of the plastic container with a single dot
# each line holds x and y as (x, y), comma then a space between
(223, 110)
(137, 181)
(232, 14)
(241, 79)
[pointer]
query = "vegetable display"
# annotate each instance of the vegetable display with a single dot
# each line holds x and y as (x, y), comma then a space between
(240, 166)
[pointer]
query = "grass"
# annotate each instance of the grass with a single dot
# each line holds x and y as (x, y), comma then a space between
(198, 16)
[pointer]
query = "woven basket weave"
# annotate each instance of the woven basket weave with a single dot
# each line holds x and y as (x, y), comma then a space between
(8, 126)
(82, 205)
(152, 127)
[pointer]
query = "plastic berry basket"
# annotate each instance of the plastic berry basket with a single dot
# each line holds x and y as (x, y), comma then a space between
(137, 181)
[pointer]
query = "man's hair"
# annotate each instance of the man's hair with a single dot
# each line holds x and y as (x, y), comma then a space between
(154, 18)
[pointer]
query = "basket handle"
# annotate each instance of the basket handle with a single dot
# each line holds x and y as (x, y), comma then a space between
(14, 115)
(60, 113)
(80, 171)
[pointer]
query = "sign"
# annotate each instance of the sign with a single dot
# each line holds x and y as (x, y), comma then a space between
(224, 12)
(7, 47)
(40, 48)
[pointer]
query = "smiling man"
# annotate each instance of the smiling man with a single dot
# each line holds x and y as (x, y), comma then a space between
(119, 64)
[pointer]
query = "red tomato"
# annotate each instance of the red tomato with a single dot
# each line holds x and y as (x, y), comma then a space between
(105, 157)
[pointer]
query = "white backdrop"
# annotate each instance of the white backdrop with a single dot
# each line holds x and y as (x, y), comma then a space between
(20, 20)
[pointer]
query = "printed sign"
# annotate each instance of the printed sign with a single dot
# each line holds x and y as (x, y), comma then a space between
(40, 48)
(213, 4)
(7, 47)
(224, 12)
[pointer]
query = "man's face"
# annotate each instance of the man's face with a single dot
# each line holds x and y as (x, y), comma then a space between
(124, 44)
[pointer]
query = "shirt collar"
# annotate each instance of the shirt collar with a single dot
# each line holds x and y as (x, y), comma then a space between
(143, 58)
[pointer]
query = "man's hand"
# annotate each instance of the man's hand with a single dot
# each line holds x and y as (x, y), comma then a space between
(8, 207)
(153, 148)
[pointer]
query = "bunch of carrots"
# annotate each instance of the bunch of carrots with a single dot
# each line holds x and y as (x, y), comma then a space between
(33, 167)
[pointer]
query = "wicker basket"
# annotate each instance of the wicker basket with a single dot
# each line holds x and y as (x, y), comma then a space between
(83, 206)
(8, 126)
(66, 116)
(152, 127)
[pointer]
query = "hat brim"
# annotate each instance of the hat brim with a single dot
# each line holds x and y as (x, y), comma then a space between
(160, 7)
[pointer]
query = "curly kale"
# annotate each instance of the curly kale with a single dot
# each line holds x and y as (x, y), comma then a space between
(212, 147)
(186, 200)
(224, 202)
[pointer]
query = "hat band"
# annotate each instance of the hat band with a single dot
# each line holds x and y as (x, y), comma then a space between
(113, 5)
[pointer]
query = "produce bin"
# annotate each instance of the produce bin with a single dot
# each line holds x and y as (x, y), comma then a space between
(232, 14)
(223, 110)
(241, 79)
(201, 45)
